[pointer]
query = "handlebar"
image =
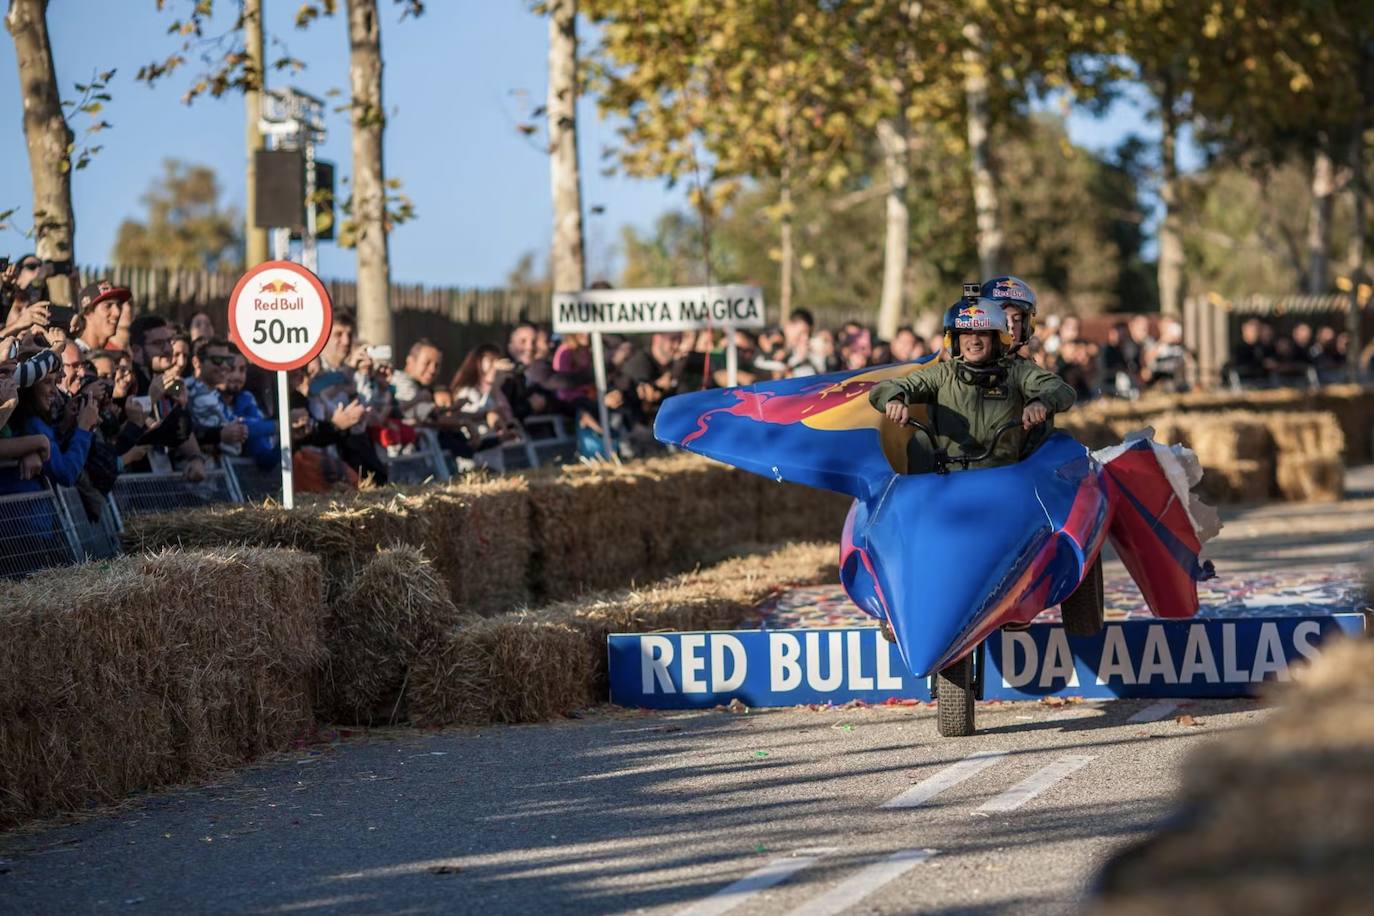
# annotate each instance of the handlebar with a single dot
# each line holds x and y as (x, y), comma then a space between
(943, 459)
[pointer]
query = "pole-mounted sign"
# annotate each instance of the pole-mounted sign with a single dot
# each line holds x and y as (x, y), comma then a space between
(280, 316)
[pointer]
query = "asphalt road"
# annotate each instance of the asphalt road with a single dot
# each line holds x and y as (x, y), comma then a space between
(773, 812)
(766, 812)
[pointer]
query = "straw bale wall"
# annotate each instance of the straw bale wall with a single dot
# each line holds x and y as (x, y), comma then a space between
(151, 670)
(535, 665)
(1275, 818)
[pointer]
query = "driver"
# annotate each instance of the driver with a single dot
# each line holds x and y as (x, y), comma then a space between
(980, 390)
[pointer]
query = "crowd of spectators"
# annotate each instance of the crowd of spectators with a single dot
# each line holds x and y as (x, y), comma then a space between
(97, 390)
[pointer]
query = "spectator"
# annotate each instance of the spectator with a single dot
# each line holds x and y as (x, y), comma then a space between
(164, 420)
(477, 396)
(800, 359)
(340, 344)
(226, 417)
(69, 383)
(101, 305)
(573, 359)
(1251, 360)
(906, 346)
(414, 385)
(21, 285)
(1168, 363)
(36, 415)
(524, 386)
(182, 355)
(201, 327)
(650, 372)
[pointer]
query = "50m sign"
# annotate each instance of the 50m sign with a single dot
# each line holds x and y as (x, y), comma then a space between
(280, 315)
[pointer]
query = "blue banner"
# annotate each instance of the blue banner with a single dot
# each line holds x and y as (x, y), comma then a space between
(1133, 658)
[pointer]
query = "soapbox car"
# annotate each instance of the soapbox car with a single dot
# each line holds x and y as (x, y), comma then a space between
(944, 559)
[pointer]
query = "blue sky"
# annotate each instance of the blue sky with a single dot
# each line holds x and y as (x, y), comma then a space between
(457, 81)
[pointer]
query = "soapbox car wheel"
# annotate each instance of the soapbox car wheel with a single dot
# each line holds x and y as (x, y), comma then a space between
(954, 692)
(1082, 611)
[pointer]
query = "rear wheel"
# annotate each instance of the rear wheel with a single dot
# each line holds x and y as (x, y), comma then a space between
(954, 690)
(1082, 611)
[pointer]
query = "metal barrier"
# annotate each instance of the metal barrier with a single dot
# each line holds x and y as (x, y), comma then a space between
(427, 462)
(99, 539)
(137, 493)
(34, 535)
(254, 483)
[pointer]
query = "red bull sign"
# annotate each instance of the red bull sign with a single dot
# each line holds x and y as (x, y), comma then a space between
(280, 315)
(640, 311)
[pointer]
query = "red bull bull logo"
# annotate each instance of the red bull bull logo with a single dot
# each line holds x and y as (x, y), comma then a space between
(972, 311)
(277, 286)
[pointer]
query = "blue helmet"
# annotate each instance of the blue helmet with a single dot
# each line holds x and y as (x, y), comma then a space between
(1011, 291)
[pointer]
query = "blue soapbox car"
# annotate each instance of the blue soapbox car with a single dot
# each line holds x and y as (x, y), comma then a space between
(940, 559)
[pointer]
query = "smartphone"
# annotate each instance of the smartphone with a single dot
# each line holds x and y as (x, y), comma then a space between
(60, 316)
(380, 353)
(4, 263)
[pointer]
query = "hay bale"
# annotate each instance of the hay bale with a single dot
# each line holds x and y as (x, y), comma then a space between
(514, 668)
(531, 666)
(1305, 768)
(1310, 434)
(1310, 479)
(148, 670)
(393, 612)
(792, 512)
(1236, 482)
(478, 534)
(1223, 439)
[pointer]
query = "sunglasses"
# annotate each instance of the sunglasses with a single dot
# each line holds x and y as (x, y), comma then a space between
(220, 360)
(30, 265)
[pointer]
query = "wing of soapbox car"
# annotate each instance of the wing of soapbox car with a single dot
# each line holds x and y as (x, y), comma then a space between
(942, 559)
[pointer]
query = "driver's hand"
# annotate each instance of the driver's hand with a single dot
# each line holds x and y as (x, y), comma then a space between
(1034, 414)
(897, 411)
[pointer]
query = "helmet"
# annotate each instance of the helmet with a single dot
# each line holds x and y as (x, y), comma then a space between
(1016, 293)
(975, 314)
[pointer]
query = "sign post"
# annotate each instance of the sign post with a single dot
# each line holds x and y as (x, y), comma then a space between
(279, 317)
(648, 311)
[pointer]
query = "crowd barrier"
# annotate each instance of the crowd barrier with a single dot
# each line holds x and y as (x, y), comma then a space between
(53, 527)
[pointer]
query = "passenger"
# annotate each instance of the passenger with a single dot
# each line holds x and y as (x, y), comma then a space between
(981, 389)
(1018, 300)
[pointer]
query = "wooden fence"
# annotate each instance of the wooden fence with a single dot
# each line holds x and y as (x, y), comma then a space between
(455, 318)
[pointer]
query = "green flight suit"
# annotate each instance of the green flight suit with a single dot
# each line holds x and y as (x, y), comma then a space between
(965, 416)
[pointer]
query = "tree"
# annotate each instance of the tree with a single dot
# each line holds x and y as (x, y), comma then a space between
(723, 92)
(185, 226)
(49, 139)
(369, 176)
(568, 258)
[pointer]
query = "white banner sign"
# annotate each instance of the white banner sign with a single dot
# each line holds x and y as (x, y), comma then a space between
(638, 311)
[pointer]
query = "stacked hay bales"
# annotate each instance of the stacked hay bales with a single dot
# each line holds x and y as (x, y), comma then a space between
(532, 666)
(150, 670)
(1309, 446)
(393, 612)
(1278, 818)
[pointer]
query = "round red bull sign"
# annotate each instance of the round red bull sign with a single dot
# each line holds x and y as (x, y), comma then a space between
(280, 315)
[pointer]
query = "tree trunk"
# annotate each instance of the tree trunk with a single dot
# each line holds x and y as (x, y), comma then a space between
(985, 191)
(1170, 269)
(369, 178)
(787, 255)
(892, 136)
(47, 136)
(1319, 221)
(569, 255)
(1359, 191)
(255, 239)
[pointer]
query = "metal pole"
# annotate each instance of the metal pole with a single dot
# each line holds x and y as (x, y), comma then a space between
(599, 367)
(284, 431)
(731, 358)
(309, 253)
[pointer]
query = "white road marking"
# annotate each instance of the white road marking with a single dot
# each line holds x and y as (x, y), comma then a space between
(1154, 712)
(775, 872)
(1034, 784)
(862, 883)
(950, 776)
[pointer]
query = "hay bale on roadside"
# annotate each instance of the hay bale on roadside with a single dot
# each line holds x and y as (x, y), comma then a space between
(513, 668)
(792, 512)
(531, 666)
(1310, 479)
(394, 611)
(148, 670)
(1236, 482)
(1305, 768)
(1310, 434)
(478, 536)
